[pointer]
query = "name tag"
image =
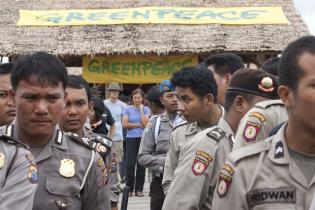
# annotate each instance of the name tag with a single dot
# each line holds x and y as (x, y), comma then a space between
(271, 195)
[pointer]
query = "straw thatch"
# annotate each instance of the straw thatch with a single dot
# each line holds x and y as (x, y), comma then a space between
(144, 39)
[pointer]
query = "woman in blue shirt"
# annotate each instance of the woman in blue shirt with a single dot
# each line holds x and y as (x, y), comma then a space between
(135, 118)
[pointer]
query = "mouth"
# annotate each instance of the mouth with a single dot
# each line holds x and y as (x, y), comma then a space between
(73, 121)
(11, 113)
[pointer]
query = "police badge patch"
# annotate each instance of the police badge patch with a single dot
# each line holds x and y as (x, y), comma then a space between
(201, 162)
(251, 131)
(67, 168)
(223, 185)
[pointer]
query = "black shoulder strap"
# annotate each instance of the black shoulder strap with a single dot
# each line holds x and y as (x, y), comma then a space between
(12, 140)
(217, 134)
(74, 137)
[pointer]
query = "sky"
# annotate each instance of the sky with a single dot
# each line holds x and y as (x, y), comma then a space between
(307, 11)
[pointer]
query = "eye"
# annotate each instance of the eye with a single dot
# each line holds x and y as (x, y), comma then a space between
(52, 98)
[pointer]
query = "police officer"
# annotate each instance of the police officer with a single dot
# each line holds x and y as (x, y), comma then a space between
(278, 173)
(7, 108)
(197, 92)
(155, 142)
(71, 174)
(259, 121)
(202, 158)
(73, 119)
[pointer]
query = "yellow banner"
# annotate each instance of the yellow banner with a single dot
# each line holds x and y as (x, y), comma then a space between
(155, 15)
(133, 69)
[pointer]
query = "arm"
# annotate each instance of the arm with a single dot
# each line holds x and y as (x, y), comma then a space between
(96, 195)
(144, 116)
(146, 156)
(230, 192)
(192, 176)
(128, 125)
(170, 165)
(110, 122)
(18, 192)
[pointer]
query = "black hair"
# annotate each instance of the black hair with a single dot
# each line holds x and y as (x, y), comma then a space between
(198, 78)
(98, 106)
(289, 70)
(271, 66)
(41, 68)
(225, 63)
(153, 95)
(5, 68)
(230, 98)
(77, 82)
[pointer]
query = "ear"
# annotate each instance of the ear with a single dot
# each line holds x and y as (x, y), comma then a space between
(227, 79)
(240, 104)
(286, 95)
(209, 99)
(65, 98)
(91, 106)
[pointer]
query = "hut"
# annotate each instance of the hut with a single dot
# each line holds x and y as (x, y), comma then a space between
(254, 43)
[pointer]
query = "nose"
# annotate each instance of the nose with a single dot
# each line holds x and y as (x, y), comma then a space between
(72, 110)
(41, 107)
(180, 108)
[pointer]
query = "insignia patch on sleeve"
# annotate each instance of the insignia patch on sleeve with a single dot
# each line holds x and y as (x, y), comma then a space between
(251, 131)
(228, 169)
(258, 115)
(201, 162)
(101, 164)
(223, 185)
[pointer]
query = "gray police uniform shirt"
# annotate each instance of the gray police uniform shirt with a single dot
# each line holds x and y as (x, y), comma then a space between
(200, 161)
(263, 176)
(179, 137)
(155, 143)
(111, 166)
(18, 177)
(259, 121)
(72, 176)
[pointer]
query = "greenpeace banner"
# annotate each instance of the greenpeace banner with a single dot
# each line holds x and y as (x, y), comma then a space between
(154, 15)
(133, 69)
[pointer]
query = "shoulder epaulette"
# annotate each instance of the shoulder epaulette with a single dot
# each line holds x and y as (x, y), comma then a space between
(103, 139)
(268, 103)
(216, 134)
(250, 150)
(74, 137)
(180, 125)
(12, 140)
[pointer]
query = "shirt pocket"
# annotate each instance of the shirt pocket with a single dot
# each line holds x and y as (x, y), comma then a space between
(162, 143)
(65, 193)
(274, 206)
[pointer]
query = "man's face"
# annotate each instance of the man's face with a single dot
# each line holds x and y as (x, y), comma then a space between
(7, 109)
(302, 101)
(170, 101)
(222, 85)
(191, 107)
(74, 115)
(113, 94)
(38, 108)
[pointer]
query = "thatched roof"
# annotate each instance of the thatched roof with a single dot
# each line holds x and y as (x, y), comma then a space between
(144, 38)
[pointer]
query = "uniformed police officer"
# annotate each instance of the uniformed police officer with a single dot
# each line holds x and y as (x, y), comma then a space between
(71, 174)
(155, 142)
(197, 92)
(73, 119)
(278, 173)
(7, 108)
(259, 121)
(202, 158)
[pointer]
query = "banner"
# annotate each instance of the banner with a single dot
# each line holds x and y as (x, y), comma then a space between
(133, 69)
(154, 15)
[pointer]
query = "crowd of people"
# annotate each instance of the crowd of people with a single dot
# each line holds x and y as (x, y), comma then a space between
(215, 135)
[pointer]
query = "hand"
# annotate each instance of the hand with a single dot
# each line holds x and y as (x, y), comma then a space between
(141, 106)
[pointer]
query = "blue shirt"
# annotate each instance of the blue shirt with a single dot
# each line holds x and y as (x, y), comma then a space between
(116, 109)
(134, 116)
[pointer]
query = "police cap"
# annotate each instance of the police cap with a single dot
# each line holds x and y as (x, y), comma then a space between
(254, 81)
(166, 85)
